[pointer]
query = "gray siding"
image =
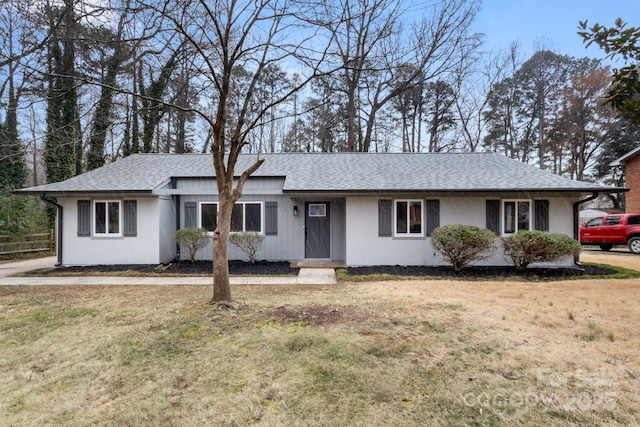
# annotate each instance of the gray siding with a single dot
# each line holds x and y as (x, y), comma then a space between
(167, 231)
(286, 245)
(366, 247)
(339, 230)
(208, 186)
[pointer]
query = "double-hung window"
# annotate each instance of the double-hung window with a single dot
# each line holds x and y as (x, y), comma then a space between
(107, 218)
(517, 215)
(408, 216)
(245, 216)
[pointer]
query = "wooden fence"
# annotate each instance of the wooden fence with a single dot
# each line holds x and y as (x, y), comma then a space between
(39, 242)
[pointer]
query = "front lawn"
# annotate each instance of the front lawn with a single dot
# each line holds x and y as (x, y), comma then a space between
(388, 353)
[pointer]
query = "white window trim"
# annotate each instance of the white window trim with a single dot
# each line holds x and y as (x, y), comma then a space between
(244, 216)
(408, 234)
(94, 216)
(323, 210)
(502, 213)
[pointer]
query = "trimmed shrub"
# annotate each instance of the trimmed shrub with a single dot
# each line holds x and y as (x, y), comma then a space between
(463, 244)
(248, 242)
(193, 239)
(529, 246)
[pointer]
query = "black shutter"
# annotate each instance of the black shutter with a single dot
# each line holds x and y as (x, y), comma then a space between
(493, 216)
(433, 215)
(190, 214)
(84, 218)
(384, 218)
(271, 218)
(541, 215)
(130, 228)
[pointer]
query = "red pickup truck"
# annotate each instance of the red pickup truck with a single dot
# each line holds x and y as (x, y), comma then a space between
(618, 229)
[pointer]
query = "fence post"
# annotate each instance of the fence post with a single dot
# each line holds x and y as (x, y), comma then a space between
(52, 241)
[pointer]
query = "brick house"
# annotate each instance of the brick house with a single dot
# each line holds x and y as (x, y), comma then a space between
(631, 164)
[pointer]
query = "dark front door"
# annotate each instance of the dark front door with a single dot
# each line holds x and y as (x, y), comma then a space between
(317, 234)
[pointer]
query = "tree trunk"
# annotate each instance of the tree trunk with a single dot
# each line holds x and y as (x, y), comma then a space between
(221, 288)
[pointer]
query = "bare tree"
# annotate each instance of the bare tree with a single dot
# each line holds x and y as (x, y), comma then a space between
(227, 36)
(473, 80)
(373, 39)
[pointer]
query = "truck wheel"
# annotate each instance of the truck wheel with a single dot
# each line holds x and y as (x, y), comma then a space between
(634, 245)
(606, 247)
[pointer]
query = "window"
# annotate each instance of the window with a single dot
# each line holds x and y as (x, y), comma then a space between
(517, 215)
(107, 218)
(245, 216)
(633, 220)
(208, 216)
(408, 217)
(612, 220)
(596, 222)
(318, 209)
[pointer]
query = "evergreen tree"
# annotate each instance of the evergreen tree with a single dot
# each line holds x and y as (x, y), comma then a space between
(62, 128)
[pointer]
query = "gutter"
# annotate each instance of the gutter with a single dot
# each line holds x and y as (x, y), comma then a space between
(59, 231)
(576, 220)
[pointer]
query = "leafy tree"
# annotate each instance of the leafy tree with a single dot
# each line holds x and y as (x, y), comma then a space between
(22, 41)
(440, 98)
(539, 81)
(463, 244)
(20, 215)
(151, 97)
(619, 41)
(62, 138)
(503, 134)
(111, 64)
(523, 108)
(582, 123)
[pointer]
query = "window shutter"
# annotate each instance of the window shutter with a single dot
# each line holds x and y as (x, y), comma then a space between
(433, 215)
(493, 215)
(384, 218)
(541, 215)
(130, 228)
(84, 218)
(271, 218)
(190, 214)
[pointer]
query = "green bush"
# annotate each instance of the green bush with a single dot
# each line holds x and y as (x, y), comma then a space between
(247, 242)
(193, 239)
(20, 215)
(529, 246)
(463, 244)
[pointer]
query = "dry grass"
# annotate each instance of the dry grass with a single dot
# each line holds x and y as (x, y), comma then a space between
(385, 353)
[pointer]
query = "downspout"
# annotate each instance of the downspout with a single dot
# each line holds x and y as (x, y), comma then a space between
(59, 231)
(576, 221)
(177, 226)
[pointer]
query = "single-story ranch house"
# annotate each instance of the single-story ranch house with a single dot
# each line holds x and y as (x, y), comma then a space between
(356, 208)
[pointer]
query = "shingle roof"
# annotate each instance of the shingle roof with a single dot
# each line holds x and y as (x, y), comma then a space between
(332, 172)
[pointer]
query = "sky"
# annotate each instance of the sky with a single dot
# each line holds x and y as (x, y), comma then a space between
(554, 22)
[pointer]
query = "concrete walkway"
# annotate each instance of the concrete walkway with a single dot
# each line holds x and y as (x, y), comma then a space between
(307, 276)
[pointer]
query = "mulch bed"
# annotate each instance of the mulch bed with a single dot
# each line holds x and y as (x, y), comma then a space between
(264, 268)
(482, 272)
(261, 268)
